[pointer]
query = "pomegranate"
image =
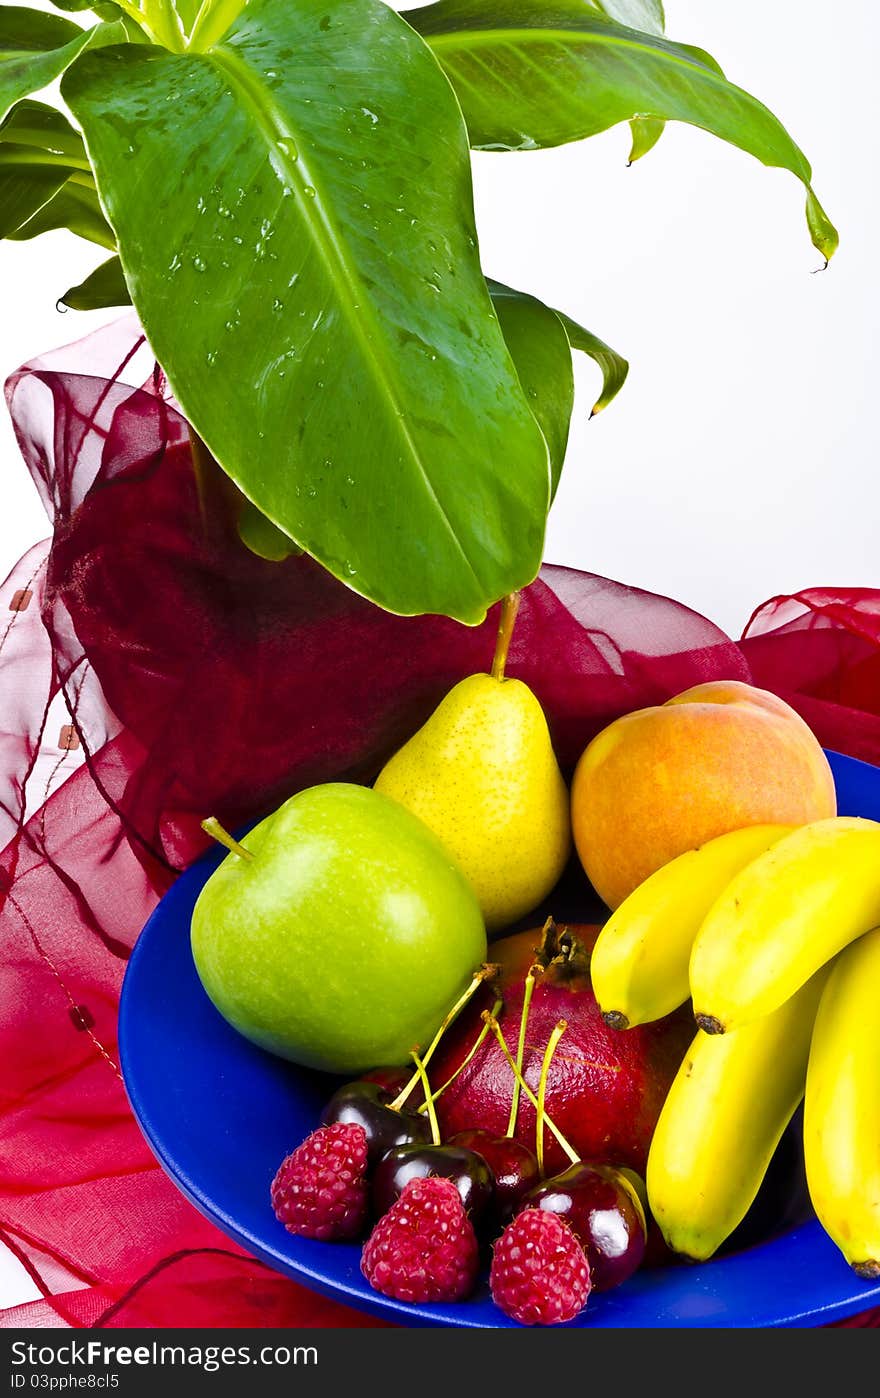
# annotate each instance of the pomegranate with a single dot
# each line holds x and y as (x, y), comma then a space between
(605, 1087)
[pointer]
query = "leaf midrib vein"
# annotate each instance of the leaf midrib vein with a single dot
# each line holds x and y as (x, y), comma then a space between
(274, 128)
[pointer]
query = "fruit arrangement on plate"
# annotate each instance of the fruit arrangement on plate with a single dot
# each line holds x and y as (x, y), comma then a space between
(576, 1100)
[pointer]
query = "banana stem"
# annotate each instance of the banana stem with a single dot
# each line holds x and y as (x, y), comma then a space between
(507, 620)
(212, 827)
(484, 973)
(551, 1126)
(429, 1100)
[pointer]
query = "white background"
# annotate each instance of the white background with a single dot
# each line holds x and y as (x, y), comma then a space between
(741, 459)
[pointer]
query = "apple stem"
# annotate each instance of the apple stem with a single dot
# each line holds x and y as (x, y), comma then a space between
(429, 1100)
(212, 827)
(465, 1061)
(533, 971)
(506, 622)
(492, 1022)
(485, 973)
(557, 1033)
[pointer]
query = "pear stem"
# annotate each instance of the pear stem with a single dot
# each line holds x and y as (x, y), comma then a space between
(554, 1130)
(212, 827)
(507, 620)
(429, 1100)
(465, 1061)
(558, 1031)
(484, 973)
(528, 987)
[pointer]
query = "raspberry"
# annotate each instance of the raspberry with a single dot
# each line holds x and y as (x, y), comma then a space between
(539, 1273)
(320, 1191)
(424, 1248)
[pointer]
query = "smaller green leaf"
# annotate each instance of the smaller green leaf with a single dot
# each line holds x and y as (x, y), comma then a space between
(24, 189)
(264, 538)
(102, 288)
(614, 367)
(35, 48)
(75, 207)
(538, 346)
(822, 231)
(46, 132)
(646, 132)
(545, 72)
(189, 11)
(646, 15)
(39, 150)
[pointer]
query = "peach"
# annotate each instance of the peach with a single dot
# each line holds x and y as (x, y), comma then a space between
(663, 780)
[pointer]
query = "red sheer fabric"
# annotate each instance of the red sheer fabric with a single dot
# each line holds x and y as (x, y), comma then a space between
(155, 672)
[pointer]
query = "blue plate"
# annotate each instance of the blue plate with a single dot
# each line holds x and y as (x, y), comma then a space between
(220, 1115)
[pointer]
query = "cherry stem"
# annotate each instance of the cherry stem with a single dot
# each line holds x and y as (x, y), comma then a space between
(507, 620)
(528, 987)
(554, 1130)
(485, 973)
(429, 1100)
(465, 1061)
(212, 827)
(558, 1031)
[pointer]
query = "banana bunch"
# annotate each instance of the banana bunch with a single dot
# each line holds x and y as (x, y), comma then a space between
(769, 931)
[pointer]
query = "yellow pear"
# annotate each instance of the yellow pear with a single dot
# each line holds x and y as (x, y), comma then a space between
(482, 774)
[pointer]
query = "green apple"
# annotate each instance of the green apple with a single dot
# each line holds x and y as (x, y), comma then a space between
(339, 932)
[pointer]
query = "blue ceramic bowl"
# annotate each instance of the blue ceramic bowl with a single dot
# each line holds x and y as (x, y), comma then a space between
(221, 1114)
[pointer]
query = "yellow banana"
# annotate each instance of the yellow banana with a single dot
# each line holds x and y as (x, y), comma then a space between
(722, 1120)
(640, 961)
(842, 1109)
(782, 917)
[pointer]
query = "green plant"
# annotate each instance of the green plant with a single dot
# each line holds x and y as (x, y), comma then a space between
(285, 185)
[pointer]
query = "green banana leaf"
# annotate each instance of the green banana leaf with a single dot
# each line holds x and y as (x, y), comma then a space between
(39, 151)
(540, 341)
(614, 367)
(533, 73)
(35, 48)
(101, 288)
(46, 132)
(648, 16)
(262, 537)
(75, 207)
(293, 211)
(24, 189)
(539, 348)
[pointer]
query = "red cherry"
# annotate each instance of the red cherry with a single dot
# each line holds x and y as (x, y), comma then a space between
(602, 1209)
(514, 1166)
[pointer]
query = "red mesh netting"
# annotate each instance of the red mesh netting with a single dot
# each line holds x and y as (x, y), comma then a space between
(166, 675)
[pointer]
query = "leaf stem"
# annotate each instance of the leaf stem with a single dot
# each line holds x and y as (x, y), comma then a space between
(212, 21)
(141, 19)
(163, 19)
